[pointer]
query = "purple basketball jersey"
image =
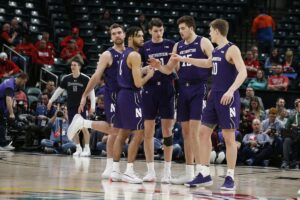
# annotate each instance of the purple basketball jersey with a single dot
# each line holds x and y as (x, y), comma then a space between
(110, 73)
(159, 51)
(223, 72)
(125, 78)
(188, 72)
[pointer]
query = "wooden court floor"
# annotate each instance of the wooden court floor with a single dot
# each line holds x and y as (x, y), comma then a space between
(41, 176)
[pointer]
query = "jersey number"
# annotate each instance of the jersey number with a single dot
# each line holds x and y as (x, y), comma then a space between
(214, 69)
(74, 88)
(120, 70)
(186, 64)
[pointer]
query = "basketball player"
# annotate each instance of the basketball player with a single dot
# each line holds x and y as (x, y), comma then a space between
(158, 99)
(75, 84)
(129, 113)
(223, 105)
(107, 65)
(192, 89)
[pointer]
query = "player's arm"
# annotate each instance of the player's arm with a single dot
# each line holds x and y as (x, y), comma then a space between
(169, 67)
(9, 103)
(235, 57)
(93, 100)
(55, 95)
(135, 62)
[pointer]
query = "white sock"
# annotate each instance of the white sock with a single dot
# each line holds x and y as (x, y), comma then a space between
(129, 168)
(116, 166)
(78, 147)
(167, 167)
(87, 147)
(205, 171)
(198, 169)
(189, 170)
(150, 166)
(87, 123)
(230, 172)
(109, 162)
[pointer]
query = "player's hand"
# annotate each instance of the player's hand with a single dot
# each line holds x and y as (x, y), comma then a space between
(12, 116)
(154, 63)
(177, 58)
(81, 105)
(49, 105)
(227, 98)
(150, 72)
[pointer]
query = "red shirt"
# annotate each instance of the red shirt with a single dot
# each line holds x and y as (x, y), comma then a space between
(5, 36)
(7, 66)
(43, 57)
(79, 42)
(278, 80)
(26, 49)
(50, 46)
(68, 53)
(252, 63)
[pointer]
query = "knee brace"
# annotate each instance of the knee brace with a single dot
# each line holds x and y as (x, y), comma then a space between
(168, 141)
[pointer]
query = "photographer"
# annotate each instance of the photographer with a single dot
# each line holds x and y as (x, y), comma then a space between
(7, 93)
(59, 142)
(257, 146)
(291, 138)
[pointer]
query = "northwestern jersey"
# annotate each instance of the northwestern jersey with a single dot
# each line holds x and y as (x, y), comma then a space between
(110, 73)
(125, 78)
(75, 88)
(8, 84)
(159, 51)
(187, 71)
(223, 72)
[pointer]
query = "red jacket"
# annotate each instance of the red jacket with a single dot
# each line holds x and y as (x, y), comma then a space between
(68, 53)
(25, 49)
(79, 42)
(50, 46)
(7, 66)
(252, 63)
(5, 36)
(43, 57)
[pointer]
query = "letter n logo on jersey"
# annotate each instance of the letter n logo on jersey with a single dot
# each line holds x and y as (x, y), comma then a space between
(138, 112)
(232, 112)
(112, 108)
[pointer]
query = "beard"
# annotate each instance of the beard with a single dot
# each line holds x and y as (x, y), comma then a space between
(138, 45)
(118, 41)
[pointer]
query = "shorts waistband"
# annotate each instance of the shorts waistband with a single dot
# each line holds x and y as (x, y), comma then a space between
(190, 83)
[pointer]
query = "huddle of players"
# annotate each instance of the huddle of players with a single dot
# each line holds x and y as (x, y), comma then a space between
(139, 87)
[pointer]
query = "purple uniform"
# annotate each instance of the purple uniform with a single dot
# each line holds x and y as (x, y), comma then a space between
(158, 96)
(192, 82)
(128, 112)
(223, 76)
(7, 88)
(111, 86)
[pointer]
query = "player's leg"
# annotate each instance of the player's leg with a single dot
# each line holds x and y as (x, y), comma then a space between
(149, 150)
(86, 138)
(129, 176)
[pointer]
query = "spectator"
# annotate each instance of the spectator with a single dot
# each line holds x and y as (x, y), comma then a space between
(278, 82)
(143, 24)
(22, 30)
(250, 93)
(42, 55)
(273, 59)
(7, 93)
(263, 27)
(75, 36)
(256, 109)
(246, 118)
(257, 146)
(291, 138)
(289, 64)
(105, 21)
(50, 88)
(50, 46)
(26, 49)
(59, 141)
(282, 116)
(260, 82)
(6, 37)
(71, 51)
(254, 50)
(20, 101)
(251, 64)
(7, 67)
(280, 106)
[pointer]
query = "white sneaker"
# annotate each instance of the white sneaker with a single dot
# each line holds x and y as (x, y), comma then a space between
(166, 179)
(221, 157)
(75, 126)
(78, 152)
(130, 177)
(85, 154)
(7, 147)
(181, 180)
(150, 177)
(213, 156)
(115, 176)
(106, 173)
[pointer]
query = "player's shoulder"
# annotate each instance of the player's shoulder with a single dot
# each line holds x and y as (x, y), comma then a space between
(233, 48)
(168, 41)
(84, 76)
(66, 77)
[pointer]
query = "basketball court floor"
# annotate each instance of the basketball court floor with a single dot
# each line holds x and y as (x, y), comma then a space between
(41, 176)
